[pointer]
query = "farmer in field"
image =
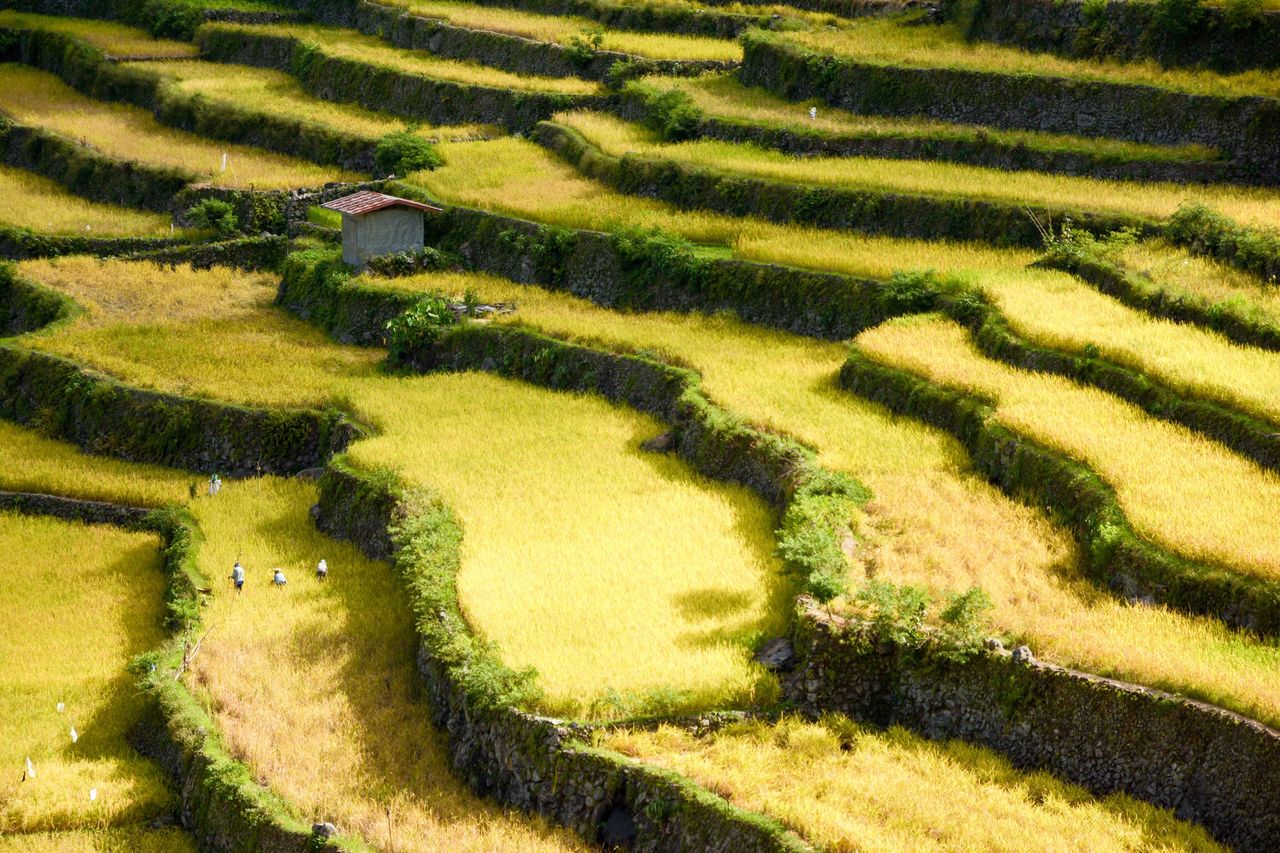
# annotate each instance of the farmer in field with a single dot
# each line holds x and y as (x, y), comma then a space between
(215, 485)
(278, 579)
(322, 571)
(237, 576)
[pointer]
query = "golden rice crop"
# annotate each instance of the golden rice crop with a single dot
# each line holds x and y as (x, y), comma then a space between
(48, 208)
(357, 47)
(680, 568)
(844, 787)
(1257, 207)
(135, 839)
(1177, 487)
(1061, 311)
(315, 686)
(919, 528)
(721, 95)
(30, 462)
(1184, 275)
(131, 133)
(895, 41)
(116, 40)
(562, 29)
(76, 604)
(279, 94)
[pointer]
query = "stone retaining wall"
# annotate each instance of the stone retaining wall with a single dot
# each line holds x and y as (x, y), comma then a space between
(1206, 764)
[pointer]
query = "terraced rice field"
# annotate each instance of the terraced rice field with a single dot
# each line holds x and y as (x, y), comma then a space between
(609, 575)
(278, 94)
(130, 133)
(115, 40)
(346, 44)
(48, 208)
(67, 698)
(895, 42)
(564, 29)
(919, 528)
(722, 96)
(709, 544)
(1148, 200)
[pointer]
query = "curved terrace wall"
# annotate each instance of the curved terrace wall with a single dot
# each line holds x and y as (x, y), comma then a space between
(1125, 30)
(868, 211)
(377, 88)
(510, 52)
(1243, 127)
(1206, 764)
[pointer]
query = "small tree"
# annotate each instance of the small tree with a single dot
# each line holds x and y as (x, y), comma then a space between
(404, 152)
(214, 214)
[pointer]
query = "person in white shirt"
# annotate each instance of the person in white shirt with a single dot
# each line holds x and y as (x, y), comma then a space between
(237, 576)
(322, 570)
(278, 578)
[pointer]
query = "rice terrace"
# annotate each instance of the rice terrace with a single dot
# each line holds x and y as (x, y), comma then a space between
(657, 425)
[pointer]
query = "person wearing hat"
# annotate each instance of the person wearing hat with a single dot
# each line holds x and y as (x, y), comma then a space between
(278, 578)
(237, 576)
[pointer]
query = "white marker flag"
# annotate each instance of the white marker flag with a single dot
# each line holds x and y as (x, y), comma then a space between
(61, 707)
(74, 737)
(31, 769)
(93, 794)
(224, 161)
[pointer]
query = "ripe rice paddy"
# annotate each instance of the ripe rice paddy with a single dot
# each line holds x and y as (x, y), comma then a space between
(1255, 207)
(77, 603)
(115, 40)
(49, 209)
(315, 686)
(920, 527)
(563, 29)
(1183, 275)
(844, 787)
(680, 568)
(130, 133)
(354, 46)
(1164, 475)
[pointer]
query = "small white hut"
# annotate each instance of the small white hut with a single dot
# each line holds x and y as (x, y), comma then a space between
(376, 224)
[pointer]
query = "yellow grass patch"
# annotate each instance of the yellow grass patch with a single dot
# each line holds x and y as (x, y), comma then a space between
(919, 528)
(569, 526)
(844, 787)
(116, 40)
(891, 41)
(131, 133)
(354, 46)
(1254, 207)
(76, 604)
(265, 90)
(46, 207)
(314, 685)
(562, 29)
(1177, 487)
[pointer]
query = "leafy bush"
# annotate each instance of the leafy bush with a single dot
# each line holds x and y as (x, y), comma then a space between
(214, 214)
(1178, 19)
(582, 47)
(1242, 14)
(671, 113)
(408, 263)
(1208, 232)
(403, 152)
(965, 620)
(419, 327)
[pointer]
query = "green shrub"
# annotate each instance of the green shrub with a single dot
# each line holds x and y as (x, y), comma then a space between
(1178, 19)
(419, 327)
(402, 153)
(582, 47)
(965, 621)
(214, 214)
(896, 614)
(671, 113)
(1242, 14)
